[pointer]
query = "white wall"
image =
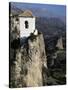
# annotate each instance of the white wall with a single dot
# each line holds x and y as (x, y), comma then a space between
(25, 32)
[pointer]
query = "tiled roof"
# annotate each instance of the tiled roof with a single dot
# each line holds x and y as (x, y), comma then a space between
(26, 13)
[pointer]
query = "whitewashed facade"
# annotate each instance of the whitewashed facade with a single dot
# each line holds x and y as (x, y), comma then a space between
(27, 26)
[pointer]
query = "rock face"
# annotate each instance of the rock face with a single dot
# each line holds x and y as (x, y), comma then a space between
(59, 44)
(28, 62)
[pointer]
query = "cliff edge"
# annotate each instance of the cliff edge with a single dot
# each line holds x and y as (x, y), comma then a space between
(28, 62)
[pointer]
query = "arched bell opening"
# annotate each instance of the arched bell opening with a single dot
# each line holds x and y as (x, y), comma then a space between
(26, 24)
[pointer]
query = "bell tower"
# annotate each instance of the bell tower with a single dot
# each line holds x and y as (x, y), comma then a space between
(27, 23)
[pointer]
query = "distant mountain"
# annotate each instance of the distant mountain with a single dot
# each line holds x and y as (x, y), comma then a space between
(14, 10)
(52, 29)
(50, 26)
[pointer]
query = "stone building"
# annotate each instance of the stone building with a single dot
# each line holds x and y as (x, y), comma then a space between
(23, 24)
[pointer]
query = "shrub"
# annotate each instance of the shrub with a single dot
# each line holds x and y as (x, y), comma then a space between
(32, 37)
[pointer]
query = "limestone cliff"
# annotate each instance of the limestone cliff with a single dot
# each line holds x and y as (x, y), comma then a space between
(59, 44)
(28, 62)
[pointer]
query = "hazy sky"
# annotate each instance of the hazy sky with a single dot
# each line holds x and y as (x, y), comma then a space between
(43, 9)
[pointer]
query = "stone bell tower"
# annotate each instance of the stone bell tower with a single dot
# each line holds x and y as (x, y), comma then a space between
(27, 23)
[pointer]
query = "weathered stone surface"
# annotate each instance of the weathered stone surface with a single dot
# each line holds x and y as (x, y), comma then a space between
(59, 44)
(29, 63)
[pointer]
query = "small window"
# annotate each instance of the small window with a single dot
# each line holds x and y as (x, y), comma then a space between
(26, 24)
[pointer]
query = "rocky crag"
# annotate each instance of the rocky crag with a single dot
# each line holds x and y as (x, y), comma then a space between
(28, 62)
